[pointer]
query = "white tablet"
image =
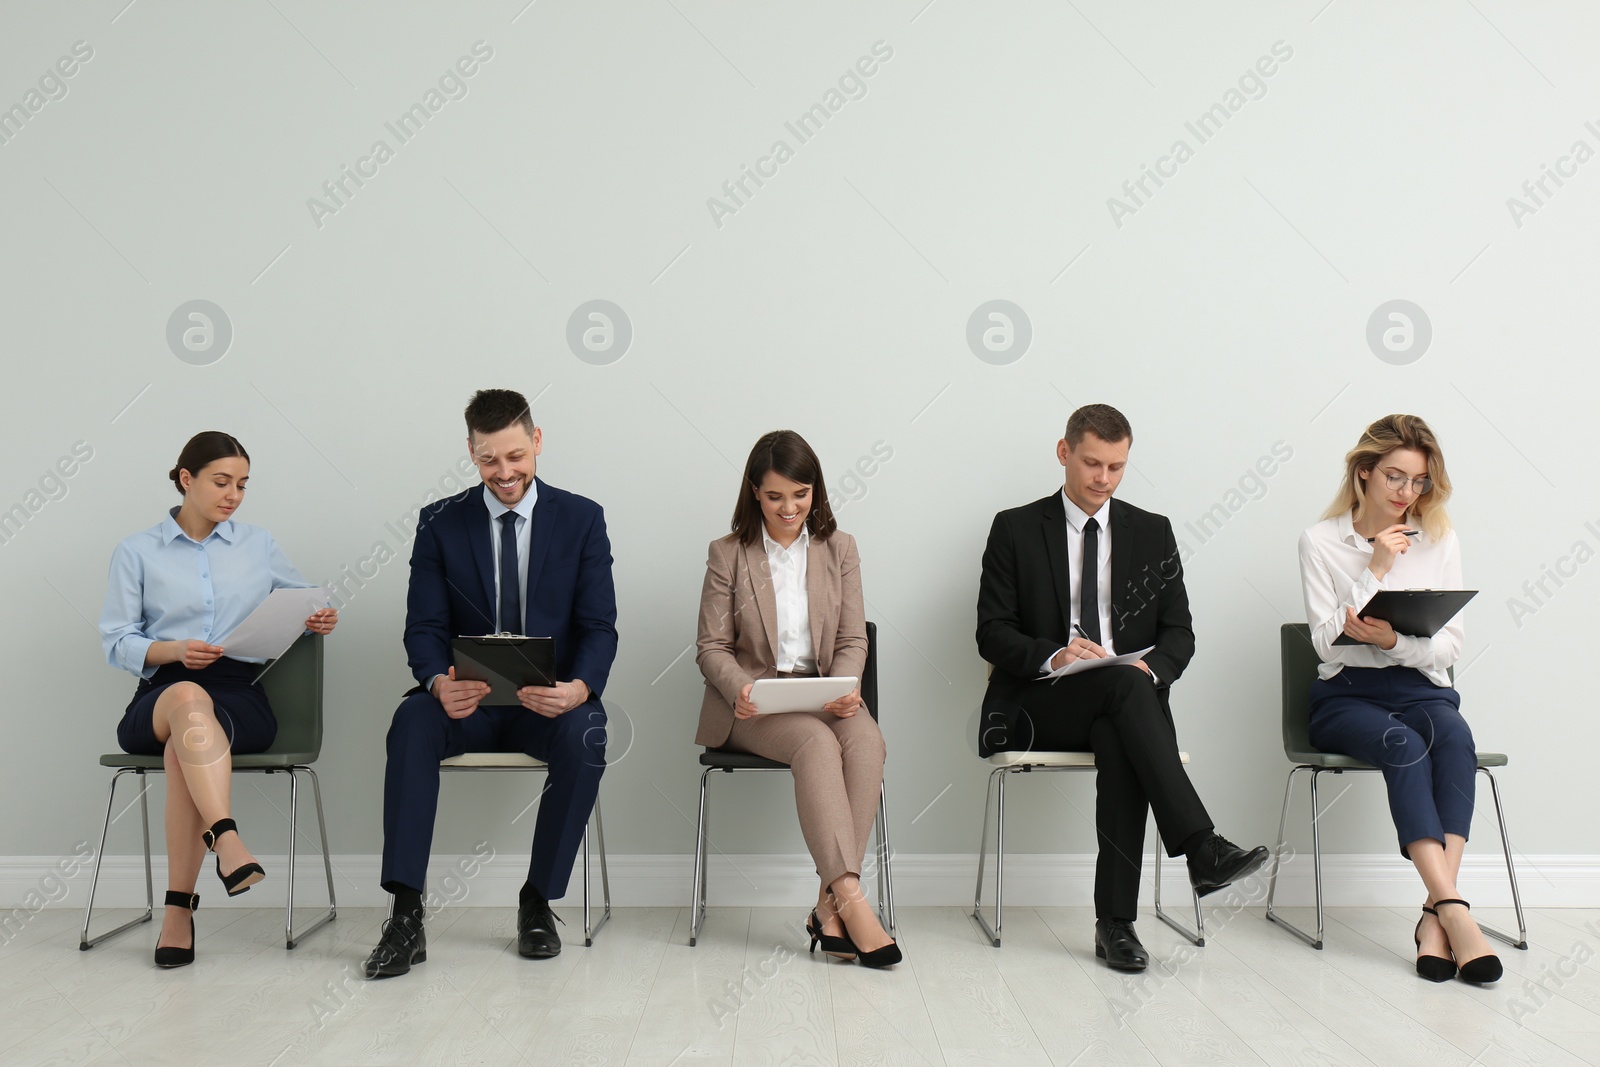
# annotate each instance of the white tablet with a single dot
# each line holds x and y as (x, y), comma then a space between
(798, 694)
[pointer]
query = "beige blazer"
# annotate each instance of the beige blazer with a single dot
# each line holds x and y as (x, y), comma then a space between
(738, 641)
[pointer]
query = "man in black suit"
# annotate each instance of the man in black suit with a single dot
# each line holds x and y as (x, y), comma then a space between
(1079, 575)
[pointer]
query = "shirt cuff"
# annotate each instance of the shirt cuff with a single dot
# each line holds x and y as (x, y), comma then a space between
(132, 651)
(1046, 668)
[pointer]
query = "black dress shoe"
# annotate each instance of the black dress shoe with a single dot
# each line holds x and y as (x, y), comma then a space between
(403, 943)
(1117, 944)
(536, 931)
(1218, 862)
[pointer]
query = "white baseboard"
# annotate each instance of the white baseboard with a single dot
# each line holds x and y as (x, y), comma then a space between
(29, 883)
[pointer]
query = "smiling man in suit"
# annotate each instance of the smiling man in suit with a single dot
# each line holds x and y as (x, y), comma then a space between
(513, 555)
(1079, 575)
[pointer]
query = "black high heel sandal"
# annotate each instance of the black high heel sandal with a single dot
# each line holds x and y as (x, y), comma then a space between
(887, 956)
(1433, 968)
(840, 948)
(1480, 970)
(246, 874)
(170, 957)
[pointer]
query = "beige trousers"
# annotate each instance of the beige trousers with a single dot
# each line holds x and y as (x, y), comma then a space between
(838, 778)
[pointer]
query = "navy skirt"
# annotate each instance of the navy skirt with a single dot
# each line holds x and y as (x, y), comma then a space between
(240, 703)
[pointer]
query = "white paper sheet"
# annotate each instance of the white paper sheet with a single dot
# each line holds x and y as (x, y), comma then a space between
(268, 631)
(1086, 664)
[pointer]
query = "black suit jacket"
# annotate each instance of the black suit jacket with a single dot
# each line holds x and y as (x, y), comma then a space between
(1025, 597)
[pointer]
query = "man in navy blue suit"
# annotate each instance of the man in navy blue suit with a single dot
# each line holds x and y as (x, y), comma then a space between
(514, 555)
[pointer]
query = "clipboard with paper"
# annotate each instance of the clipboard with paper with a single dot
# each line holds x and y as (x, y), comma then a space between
(507, 662)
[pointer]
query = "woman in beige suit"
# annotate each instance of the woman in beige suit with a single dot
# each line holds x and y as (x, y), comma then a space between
(782, 598)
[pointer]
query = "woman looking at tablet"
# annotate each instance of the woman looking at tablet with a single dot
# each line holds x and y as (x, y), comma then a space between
(173, 589)
(782, 599)
(1389, 700)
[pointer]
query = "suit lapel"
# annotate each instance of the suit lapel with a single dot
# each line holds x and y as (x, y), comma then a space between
(756, 566)
(817, 603)
(475, 519)
(1122, 550)
(1053, 527)
(541, 525)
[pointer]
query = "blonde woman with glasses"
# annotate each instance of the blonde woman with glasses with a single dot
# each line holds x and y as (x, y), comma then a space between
(1389, 700)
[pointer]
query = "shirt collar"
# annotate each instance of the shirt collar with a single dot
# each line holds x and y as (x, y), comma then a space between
(801, 542)
(524, 506)
(1076, 516)
(171, 531)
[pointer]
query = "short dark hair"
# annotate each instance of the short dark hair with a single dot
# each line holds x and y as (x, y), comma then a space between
(1103, 420)
(202, 450)
(492, 410)
(786, 453)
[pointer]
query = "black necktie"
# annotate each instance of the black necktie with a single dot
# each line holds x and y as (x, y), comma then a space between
(1088, 591)
(510, 594)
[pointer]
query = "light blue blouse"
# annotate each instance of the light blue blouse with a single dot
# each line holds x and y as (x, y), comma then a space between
(165, 586)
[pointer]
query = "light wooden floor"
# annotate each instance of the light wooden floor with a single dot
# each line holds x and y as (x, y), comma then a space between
(641, 996)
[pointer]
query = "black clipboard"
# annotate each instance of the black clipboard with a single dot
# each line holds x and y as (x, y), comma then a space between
(507, 662)
(1413, 612)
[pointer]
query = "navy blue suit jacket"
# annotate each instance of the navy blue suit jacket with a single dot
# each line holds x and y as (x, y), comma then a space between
(570, 595)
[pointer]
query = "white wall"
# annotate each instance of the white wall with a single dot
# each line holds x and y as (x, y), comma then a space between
(1226, 315)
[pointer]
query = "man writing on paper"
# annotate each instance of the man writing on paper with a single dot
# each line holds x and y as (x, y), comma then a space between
(514, 555)
(1076, 575)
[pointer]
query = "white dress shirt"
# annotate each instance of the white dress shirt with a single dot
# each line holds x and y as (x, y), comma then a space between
(795, 652)
(524, 525)
(1076, 518)
(1335, 575)
(524, 529)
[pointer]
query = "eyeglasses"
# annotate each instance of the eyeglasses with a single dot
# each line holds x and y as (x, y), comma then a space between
(1419, 485)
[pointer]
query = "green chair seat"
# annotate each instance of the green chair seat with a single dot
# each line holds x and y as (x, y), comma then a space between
(1331, 761)
(261, 761)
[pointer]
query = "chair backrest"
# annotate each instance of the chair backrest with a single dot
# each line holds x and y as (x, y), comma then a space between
(294, 687)
(869, 673)
(1300, 662)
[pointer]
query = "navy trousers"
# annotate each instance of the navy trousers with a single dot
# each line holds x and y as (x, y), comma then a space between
(574, 746)
(1412, 730)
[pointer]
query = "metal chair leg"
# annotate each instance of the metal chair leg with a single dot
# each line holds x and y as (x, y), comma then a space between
(291, 936)
(1197, 936)
(294, 825)
(605, 874)
(1277, 861)
(587, 940)
(697, 891)
(1521, 940)
(885, 867)
(996, 793)
(85, 942)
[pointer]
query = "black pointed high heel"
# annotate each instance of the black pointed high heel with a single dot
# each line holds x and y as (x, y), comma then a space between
(1480, 970)
(839, 948)
(1433, 968)
(168, 956)
(246, 874)
(887, 956)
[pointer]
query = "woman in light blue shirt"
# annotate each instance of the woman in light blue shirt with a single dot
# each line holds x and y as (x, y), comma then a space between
(173, 589)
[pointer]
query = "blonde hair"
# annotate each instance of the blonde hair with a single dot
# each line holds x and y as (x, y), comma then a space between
(1377, 441)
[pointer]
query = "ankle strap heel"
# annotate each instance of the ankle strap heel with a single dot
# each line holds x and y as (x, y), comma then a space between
(246, 874)
(168, 957)
(183, 900)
